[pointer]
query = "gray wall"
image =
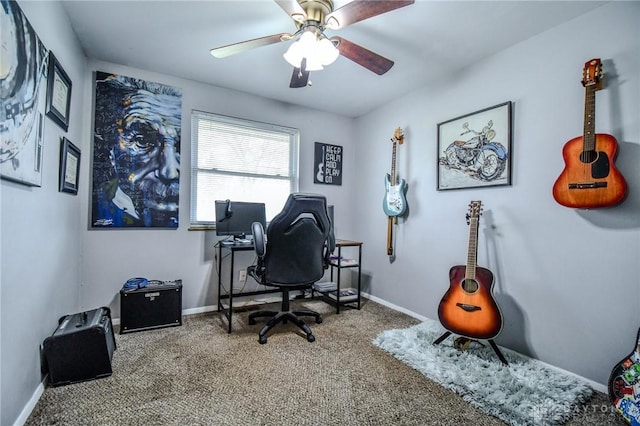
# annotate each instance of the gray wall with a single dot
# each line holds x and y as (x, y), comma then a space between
(567, 281)
(41, 232)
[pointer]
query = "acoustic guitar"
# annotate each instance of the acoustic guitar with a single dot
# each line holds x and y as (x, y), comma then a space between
(590, 178)
(624, 386)
(394, 203)
(468, 307)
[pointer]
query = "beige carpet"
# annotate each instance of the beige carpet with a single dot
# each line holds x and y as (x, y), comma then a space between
(197, 374)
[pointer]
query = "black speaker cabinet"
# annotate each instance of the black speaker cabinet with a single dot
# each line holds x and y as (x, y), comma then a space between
(81, 348)
(157, 305)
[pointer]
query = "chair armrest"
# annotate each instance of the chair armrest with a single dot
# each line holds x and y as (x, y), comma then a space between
(330, 246)
(259, 241)
(260, 246)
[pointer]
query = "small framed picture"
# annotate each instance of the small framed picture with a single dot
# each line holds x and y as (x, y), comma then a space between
(58, 93)
(474, 150)
(69, 167)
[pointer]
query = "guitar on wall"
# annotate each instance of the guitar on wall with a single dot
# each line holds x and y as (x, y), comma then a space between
(590, 178)
(394, 203)
(468, 307)
(624, 386)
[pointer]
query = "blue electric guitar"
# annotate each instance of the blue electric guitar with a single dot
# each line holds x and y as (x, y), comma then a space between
(394, 203)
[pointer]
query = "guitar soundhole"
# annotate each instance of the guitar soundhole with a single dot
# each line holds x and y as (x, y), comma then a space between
(469, 285)
(588, 156)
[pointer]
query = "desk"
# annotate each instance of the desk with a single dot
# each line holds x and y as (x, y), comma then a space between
(232, 249)
(229, 295)
(338, 265)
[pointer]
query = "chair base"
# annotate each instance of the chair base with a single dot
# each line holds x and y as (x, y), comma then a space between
(282, 317)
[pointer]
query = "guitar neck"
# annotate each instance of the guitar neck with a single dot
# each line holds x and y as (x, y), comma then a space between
(589, 135)
(472, 254)
(393, 163)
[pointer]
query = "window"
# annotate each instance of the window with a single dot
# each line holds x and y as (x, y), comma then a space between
(240, 160)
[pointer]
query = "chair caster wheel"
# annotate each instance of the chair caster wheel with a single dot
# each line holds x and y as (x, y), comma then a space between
(318, 320)
(262, 339)
(252, 321)
(311, 338)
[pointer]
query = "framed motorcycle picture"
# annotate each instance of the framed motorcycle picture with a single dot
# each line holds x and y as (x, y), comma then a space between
(474, 150)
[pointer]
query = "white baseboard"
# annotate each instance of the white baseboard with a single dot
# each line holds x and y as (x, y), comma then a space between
(31, 404)
(595, 385)
(395, 307)
(200, 310)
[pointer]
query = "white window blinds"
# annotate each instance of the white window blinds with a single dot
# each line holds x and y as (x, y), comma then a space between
(240, 160)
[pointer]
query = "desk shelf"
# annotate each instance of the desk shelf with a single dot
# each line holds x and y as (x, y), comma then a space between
(337, 265)
(344, 263)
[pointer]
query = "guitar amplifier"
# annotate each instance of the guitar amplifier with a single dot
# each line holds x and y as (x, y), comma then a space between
(81, 347)
(157, 305)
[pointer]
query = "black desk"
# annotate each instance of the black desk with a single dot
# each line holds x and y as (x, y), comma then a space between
(229, 295)
(231, 249)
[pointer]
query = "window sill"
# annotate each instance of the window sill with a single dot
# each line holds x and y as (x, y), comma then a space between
(202, 228)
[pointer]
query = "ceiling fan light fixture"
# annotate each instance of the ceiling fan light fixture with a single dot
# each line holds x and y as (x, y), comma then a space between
(313, 64)
(294, 54)
(327, 51)
(318, 50)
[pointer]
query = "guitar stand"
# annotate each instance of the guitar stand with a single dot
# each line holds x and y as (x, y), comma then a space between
(491, 342)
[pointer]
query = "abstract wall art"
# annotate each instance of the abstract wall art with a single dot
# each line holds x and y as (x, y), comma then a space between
(23, 72)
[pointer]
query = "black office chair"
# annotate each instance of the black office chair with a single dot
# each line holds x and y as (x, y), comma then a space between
(293, 256)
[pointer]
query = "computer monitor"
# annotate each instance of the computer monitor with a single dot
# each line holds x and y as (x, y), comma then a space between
(235, 217)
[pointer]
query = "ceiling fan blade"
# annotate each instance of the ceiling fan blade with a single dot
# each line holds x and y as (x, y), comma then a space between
(361, 56)
(358, 10)
(300, 76)
(243, 46)
(293, 9)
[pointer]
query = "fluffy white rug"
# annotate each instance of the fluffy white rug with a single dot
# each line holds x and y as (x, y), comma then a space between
(526, 392)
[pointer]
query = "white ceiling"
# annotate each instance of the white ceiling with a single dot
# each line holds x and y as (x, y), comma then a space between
(426, 40)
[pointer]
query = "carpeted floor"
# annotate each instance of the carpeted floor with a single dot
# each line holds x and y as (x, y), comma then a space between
(197, 374)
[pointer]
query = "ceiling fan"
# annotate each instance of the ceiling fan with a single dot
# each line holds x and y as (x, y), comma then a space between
(313, 49)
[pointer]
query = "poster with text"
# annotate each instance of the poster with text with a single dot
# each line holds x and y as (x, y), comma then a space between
(328, 164)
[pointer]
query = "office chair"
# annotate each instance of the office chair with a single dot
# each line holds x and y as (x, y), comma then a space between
(293, 255)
